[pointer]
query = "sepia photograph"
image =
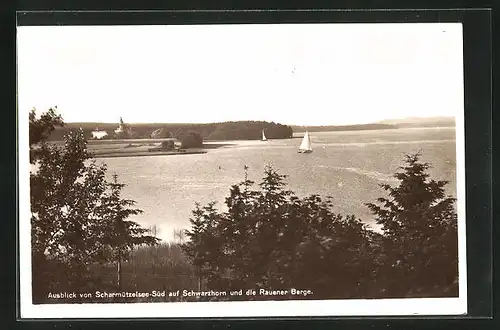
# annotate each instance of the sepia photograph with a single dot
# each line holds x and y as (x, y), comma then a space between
(241, 170)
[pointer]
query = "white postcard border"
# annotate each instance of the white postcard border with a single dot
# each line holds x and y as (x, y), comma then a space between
(297, 308)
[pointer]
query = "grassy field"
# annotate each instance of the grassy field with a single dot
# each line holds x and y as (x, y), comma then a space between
(140, 147)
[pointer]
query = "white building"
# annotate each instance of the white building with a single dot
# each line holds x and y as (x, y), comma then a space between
(120, 127)
(96, 134)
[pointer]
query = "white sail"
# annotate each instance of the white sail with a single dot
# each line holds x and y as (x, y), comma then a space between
(305, 146)
(263, 136)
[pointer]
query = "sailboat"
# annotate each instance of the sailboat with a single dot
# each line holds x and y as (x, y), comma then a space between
(305, 146)
(263, 136)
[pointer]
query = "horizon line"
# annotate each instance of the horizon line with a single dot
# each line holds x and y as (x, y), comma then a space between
(380, 122)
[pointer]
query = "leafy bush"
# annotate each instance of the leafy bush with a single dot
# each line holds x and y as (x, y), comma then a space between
(168, 145)
(78, 219)
(190, 139)
(270, 238)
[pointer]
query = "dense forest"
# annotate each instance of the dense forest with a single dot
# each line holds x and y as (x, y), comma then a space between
(267, 238)
(241, 130)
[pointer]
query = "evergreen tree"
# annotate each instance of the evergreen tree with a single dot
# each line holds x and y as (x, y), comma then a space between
(420, 234)
(123, 234)
(269, 238)
(204, 247)
(77, 217)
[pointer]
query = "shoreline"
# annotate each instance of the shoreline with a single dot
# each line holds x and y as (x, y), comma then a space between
(145, 154)
(141, 147)
(142, 150)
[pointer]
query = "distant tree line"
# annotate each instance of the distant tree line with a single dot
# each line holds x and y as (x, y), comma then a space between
(250, 130)
(242, 130)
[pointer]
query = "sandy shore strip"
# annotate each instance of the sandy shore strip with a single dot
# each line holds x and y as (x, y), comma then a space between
(141, 149)
(146, 153)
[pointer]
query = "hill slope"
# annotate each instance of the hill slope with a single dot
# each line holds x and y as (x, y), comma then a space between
(421, 122)
(241, 130)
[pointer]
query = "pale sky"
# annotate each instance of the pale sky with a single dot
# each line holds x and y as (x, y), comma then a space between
(303, 74)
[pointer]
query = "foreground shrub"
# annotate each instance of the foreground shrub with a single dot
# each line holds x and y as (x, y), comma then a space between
(270, 238)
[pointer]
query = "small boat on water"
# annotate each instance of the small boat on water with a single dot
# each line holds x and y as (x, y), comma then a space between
(305, 146)
(263, 136)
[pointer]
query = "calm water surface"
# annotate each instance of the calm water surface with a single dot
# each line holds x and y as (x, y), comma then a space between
(346, 165)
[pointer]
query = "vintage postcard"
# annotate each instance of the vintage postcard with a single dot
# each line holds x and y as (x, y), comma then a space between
(241, 170)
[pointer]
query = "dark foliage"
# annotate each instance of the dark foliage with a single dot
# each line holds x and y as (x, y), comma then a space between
(269, 238)
(161, 267)
(250, 130)
(189, 139)
(78, 219)
(242, 130)
(168, 145)
(420, 244)
(41, 128)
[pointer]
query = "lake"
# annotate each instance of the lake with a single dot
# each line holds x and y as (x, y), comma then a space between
(349, 166)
